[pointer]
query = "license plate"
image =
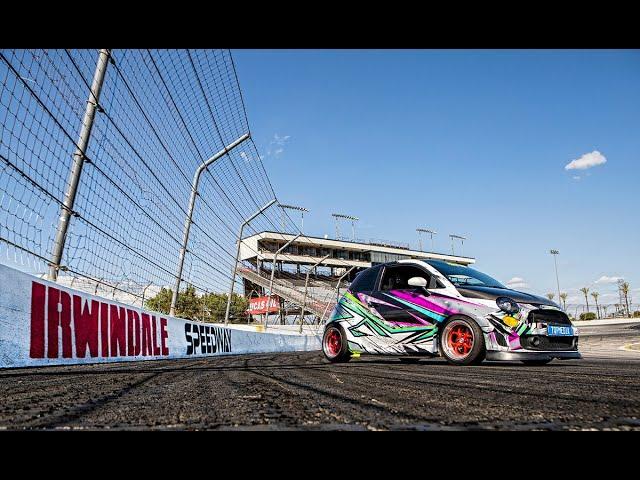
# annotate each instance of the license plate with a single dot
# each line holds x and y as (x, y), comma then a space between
(559, 331)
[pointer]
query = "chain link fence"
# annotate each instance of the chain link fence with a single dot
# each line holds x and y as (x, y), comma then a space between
(157, 116)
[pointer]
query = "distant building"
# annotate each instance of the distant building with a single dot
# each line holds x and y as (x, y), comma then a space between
(292, 264)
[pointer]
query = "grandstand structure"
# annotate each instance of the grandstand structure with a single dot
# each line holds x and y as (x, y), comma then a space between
(311, 272)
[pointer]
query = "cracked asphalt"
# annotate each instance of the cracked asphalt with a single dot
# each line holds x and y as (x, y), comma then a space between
(302, 391)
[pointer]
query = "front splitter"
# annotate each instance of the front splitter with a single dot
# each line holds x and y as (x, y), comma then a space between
(519, 356)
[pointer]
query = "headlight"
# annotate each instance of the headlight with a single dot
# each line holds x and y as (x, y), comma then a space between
(507, 305)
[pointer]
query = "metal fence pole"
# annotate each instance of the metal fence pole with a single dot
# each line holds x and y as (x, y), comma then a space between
(78, 162)
(337, 294)
(235, 264)
(273, 271)
(340, 280)
(144, 292)
(306, 286)
(188, 220)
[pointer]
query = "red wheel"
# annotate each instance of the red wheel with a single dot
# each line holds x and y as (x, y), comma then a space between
(334, 344)
(462, 341)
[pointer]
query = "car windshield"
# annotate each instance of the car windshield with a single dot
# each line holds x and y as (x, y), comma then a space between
(463, 276)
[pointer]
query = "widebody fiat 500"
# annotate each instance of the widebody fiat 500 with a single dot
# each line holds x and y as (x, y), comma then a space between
(437, 308)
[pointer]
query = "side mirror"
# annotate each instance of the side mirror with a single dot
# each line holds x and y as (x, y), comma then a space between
(418, 282)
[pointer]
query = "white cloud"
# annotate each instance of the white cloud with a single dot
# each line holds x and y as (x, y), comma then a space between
(587, 160)
(606, 280)
(278, 140)
(576, 177)
(277, 144)
(517, 282)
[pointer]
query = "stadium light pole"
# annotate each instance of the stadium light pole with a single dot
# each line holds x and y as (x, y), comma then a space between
(189, 219)
(235, 264)
(346, 217)
(555, 255)
(462, 239)
(306, 286)
(425, 230)
(302, 211)
(79, 158)
(273, 271)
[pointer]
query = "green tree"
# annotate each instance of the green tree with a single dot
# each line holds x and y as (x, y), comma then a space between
(161, 302)
(209, 307)
(563, 297)
(187, 306)
(595, 296)
(585, 291)
(215, 307)
(587, 316)
(625, 291)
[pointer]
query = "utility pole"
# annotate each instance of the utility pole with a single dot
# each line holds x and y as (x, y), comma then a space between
(555, 254)
(79, 158)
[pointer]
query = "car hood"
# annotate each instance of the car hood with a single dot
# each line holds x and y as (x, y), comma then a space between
(492, 293)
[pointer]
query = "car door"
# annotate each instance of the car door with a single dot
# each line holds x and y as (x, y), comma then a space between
(396, 301)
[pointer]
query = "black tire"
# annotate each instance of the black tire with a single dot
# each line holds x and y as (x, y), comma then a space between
(454, 353)
(340, 355)
(535, 363)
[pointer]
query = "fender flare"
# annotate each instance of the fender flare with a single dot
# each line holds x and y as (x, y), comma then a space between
(484, 324)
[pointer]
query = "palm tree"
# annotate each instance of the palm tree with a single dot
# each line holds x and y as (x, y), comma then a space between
(625, 292)
(550, 296)
(595, 296)
(585, 291)
(563, 297)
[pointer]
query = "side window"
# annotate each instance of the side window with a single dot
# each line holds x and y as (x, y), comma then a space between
(365, 281)
(397, 277)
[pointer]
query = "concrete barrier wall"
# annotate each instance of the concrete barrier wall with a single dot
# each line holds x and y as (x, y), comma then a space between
(42, 323)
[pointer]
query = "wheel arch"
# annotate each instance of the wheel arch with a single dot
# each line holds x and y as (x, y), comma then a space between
(484, 324)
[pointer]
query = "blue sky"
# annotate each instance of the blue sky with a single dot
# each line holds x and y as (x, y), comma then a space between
(467, 142)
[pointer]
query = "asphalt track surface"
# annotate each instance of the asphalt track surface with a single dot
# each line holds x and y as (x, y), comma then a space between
(302, 391)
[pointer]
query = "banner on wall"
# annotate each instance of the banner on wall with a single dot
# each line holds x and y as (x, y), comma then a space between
(262, 305)
(42, 323)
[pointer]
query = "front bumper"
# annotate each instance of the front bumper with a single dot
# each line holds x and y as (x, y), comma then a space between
(518, 356)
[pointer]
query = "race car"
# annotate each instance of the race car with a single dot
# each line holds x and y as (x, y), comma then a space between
(438, 308)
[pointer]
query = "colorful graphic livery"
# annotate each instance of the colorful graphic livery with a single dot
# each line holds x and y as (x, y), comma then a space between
(432, 308)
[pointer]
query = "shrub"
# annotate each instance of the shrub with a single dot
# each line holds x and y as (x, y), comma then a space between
(636, 314)
(588, 316)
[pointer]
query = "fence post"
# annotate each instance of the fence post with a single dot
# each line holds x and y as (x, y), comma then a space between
(337, 294)
(188, 220)
(306, 286)
(235, 264)
(78, 162)
(273, 271)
